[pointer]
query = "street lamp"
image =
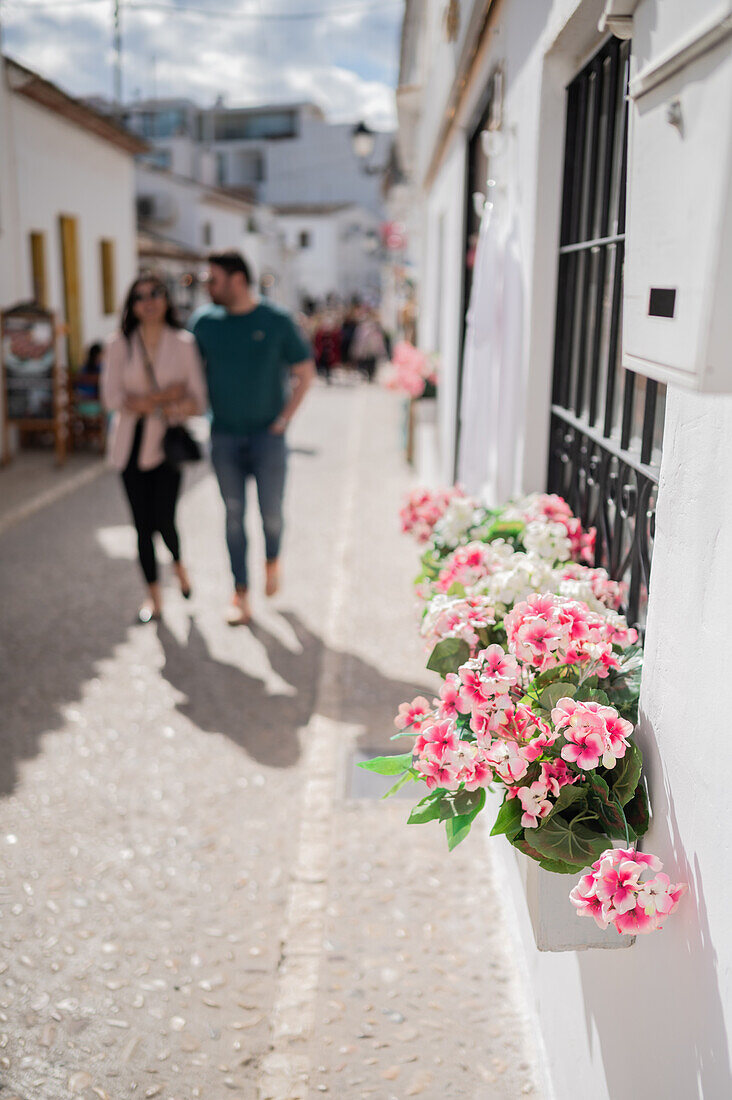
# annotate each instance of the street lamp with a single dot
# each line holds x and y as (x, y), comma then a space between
(363, 141)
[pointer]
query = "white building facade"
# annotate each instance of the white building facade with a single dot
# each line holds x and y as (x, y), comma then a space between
(599, 134)
(334, 250)
(294, 165)
(199, 218)
(67, 208)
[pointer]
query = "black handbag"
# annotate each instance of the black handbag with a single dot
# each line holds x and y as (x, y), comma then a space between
(179, 446)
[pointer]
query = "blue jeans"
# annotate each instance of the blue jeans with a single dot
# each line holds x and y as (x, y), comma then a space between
(235, 458)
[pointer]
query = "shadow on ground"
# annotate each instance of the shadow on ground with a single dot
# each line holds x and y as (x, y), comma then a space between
(67, 605)
(221, 697)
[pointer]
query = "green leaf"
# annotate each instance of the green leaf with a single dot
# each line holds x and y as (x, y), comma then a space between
(636, 810)
(558, 839)
(623, 778)
(428, 809)
(408, 777)
(560, 673)
(592, 695)
(550, 696)
(505, 529)
(568, 795)
(556, 866)
(448, 655)
(388, 765)
(458, 827)
(603, 803)
(456, 589)
(508, 820)
(469, 802)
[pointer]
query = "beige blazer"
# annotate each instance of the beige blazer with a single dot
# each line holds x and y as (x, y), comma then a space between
(123, 374)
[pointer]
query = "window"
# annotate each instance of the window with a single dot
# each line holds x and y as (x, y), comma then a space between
(248, 168)
(37, 243)
(159, 158)
(207, 234)
(164, 123)
(476, 177)
(606, 423)
(304, 238)
(109, 293)
(233, 125)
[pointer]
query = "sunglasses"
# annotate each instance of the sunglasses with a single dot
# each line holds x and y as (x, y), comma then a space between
(156, 293)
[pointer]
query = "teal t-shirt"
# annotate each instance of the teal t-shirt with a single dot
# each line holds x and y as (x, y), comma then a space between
(248, 358)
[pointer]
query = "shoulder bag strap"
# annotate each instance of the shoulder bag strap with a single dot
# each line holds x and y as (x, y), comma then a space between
(147, 363)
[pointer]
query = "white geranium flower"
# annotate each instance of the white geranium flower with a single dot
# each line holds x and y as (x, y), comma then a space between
(457, 520)
(547, 540)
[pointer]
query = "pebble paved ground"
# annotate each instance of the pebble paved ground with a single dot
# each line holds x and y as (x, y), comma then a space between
(200, 896)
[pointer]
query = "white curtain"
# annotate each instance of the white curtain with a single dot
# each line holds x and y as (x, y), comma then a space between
(490, 412)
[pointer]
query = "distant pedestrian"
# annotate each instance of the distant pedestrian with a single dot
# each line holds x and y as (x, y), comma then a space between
(368, 345)
(152, 377)
(348, 328)
(327, 345)
(259, 367)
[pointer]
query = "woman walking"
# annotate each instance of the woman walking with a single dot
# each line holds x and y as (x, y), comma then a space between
(152, 378)
(368, 345)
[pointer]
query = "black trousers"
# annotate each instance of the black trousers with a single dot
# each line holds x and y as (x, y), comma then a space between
(153, 496)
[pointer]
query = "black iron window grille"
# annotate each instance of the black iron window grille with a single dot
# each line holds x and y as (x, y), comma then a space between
(606, 422)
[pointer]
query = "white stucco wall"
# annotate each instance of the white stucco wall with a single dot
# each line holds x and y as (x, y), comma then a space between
(9, 288)
(441, 288)
(63, 169)
(653, 1019)
(540, 44)
(334, 261)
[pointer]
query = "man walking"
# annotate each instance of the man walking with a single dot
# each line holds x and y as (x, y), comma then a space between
(259, 367)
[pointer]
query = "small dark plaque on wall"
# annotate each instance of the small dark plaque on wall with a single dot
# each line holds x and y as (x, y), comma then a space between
(662, 302)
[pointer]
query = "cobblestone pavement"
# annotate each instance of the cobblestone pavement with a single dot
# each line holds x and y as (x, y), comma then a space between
(200, 895)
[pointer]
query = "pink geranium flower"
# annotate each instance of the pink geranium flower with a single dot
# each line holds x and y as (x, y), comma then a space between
(437, 774)
(586, 901)
(535, 804)
(447, 704)
(578, 719)
(584, 748)
(555, 774)
(413, 714)
(437, 738)
(507, 760)
(614, 893)
(499, 666)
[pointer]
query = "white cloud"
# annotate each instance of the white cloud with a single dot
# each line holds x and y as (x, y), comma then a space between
(345, 60)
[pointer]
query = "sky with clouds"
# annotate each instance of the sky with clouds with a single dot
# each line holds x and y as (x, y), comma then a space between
(341, 54)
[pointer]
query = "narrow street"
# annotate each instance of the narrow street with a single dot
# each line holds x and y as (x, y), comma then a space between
(200, 894)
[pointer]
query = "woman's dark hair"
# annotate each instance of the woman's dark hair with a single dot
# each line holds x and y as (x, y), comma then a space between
(129, 321)
(232, 262)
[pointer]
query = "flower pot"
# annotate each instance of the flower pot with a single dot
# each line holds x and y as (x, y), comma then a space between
(554, 921)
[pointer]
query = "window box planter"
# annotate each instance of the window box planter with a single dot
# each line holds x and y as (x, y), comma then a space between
(555, 924)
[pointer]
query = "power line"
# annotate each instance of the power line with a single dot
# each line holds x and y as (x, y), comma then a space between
(13, 6)
(284, 17)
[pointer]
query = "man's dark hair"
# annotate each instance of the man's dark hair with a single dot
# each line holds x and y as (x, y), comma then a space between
(231, 262)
